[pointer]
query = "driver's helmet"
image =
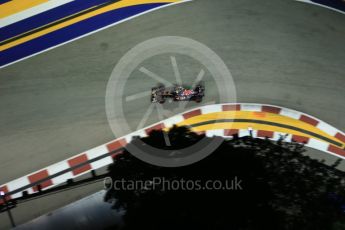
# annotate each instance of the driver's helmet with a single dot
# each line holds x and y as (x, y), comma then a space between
(178, 89)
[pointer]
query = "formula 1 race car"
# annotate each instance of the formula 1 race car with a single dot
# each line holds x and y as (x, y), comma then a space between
(177, 93)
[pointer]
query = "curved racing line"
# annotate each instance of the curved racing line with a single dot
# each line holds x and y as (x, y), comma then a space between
(17, 43)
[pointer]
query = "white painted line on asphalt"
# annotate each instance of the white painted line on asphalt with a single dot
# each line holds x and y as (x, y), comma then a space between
(243, 133)
(321, 5)
(211, 109)
(58, 167)
(97, 152)
(251, 107)
(327, 128)
(32, 12)
(18, 183)
(316, 144)
(139, 133)
(173, 120)
(103, 149)
(290, 113)
(95, 31)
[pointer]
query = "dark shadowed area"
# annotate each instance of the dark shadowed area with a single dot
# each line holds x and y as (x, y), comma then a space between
(271, 185)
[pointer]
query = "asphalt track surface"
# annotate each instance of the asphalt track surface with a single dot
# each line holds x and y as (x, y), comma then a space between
(279, 52)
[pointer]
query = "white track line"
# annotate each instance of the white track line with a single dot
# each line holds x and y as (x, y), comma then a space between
(95, 31)
(32, 12)
(321, 5)
(105, 149)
